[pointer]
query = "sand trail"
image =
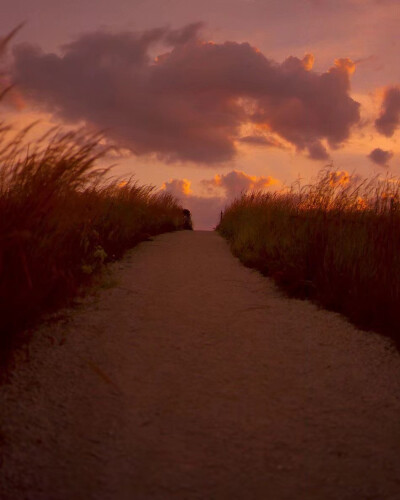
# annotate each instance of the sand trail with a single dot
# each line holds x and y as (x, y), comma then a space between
(191, 377)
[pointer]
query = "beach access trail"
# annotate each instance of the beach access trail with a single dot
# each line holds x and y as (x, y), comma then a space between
(189, 376)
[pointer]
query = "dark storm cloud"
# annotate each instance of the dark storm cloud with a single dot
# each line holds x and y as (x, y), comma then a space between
(380, 156)
(189, 103)
(389, 119)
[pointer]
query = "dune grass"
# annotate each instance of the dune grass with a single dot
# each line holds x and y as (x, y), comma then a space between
(61, 219)
(336, 241)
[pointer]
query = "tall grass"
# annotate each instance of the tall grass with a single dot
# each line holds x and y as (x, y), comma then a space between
(61, 219)
(336, 241)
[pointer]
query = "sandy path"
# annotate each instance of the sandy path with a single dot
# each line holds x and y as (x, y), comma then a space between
(193, 378)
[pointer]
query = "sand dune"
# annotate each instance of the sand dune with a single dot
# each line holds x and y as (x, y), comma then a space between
(192, 377)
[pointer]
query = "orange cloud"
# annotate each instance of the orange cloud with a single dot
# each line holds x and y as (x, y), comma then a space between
(345, 64)
(308, 62)
(178, 187)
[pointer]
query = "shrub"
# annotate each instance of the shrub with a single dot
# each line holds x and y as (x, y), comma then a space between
(336, 241)
(61, 219)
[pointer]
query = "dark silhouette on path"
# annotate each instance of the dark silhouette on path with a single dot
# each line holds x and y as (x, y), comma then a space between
(187, 219)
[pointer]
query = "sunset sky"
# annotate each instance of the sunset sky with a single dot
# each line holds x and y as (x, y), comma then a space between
(208, 98)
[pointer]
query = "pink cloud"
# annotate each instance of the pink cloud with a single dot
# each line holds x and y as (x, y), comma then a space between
(236, 182)
(205, 210)
(221, 188)
(177, 187)
(389, 119)
(190, 103)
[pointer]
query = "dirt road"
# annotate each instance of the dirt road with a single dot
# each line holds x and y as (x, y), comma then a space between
(191, 377)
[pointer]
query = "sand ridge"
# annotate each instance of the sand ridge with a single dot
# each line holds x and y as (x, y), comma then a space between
(193, 377)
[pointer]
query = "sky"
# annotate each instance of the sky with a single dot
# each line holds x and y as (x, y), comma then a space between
(208, 99)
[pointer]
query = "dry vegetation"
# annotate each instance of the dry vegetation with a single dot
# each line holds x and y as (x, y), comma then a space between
(336, 241)
(61, 219)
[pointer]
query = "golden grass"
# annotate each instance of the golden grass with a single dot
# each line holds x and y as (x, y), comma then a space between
(61, 219)
(336, 241)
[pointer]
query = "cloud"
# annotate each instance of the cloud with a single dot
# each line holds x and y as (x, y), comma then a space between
(262, 140)
(380, 156)
(236, 182)
(177, 187)
(317, 151)
(389, 118)
(204, 210)
(221, 189)
(191, 102)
